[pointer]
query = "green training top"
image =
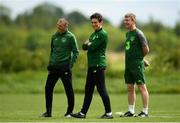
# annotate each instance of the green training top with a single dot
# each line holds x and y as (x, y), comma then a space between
(64, 49)
(97, 48)
(135, 40)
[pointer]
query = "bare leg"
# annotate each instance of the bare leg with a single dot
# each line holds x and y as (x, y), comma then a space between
(144, 95)
(131, 94)
(131, 98)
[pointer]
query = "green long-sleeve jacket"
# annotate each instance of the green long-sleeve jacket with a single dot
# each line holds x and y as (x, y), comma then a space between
(97, 48)
(64, 49)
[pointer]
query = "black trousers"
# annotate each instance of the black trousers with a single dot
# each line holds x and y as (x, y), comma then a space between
(66, 77)
(95, 77)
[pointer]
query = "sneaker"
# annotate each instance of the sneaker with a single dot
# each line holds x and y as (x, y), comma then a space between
(79, 115)
(142, 114)
(46, 114)
(106, 116)
(68, 115)
(127, 114)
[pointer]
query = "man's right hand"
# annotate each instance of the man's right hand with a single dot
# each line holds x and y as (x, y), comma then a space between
(87, 42)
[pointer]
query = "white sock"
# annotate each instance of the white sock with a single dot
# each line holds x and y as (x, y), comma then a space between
(145, 110)
(131, 108)
(82, 113)
(110, 113)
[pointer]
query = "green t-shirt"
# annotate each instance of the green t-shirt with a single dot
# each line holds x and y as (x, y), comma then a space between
(97, 48)
(64, 49)
(135, 40)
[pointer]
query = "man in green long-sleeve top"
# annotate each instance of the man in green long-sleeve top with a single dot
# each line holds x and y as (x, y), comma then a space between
(64, 52)
(96, 47)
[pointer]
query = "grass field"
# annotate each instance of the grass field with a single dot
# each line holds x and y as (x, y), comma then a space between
(33, 82)
(28, 107)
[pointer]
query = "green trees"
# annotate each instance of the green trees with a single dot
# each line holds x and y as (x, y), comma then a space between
(5, 15)
(177, 28)
(25, 41)
(166, 52)
(76, 18)
(42, 16)
(164, 46)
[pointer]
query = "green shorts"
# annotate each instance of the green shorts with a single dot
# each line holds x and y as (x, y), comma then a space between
(134, 73)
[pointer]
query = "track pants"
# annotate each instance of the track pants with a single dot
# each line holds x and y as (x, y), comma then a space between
(66, 77)
(95, 77)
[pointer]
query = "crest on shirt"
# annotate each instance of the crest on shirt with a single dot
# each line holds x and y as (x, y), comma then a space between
(132, 38)
(63, 40)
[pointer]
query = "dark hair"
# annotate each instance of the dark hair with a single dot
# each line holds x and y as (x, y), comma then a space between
(96, 16)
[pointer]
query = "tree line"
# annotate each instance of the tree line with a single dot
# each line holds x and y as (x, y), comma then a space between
(25, 40)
